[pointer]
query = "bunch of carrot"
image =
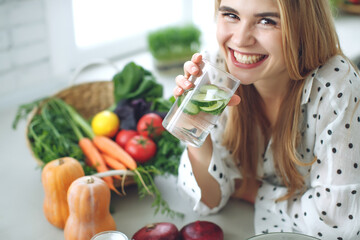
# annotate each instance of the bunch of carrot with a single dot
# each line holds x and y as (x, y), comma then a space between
(103, 153)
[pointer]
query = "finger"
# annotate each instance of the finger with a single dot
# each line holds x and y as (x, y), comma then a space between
(183, 82)
(178, 91)
(197, 58)
(234, 100)
(190, 68)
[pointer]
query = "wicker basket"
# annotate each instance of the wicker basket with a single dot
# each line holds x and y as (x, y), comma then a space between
(88, 99)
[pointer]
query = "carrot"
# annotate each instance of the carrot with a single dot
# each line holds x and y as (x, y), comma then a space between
(114, 164)
(111, 148)
(96, 160)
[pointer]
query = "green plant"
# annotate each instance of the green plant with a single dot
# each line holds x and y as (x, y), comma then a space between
(173, 43)
(334, 4)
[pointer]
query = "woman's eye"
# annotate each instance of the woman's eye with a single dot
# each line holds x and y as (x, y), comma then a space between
(231, 16)
(268, 21)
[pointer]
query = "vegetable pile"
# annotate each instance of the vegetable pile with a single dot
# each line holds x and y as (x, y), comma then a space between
(128, 137)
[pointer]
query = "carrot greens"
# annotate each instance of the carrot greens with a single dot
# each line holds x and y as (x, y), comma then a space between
(144, 177)
(55, 130)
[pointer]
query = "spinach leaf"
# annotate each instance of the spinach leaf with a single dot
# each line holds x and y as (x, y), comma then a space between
(161, 105)
(136, 82)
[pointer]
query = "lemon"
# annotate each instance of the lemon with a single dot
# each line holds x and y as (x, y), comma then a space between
(105, 123)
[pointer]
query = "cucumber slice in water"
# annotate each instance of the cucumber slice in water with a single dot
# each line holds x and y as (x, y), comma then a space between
(202, 100)
(218, 105)
(180, 99)
(182, 96)
(191, 109)
(207, 87)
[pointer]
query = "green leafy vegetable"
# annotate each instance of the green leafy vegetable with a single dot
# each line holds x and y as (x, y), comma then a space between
(161, 105)
(167, 158)
(54, 132)
(24, 110)
(135, 82)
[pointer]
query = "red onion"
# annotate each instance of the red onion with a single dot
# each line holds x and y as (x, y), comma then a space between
(201, 230)
(157, 231)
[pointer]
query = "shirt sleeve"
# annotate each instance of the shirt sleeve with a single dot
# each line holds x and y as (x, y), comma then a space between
(221, 167)
(330, 207)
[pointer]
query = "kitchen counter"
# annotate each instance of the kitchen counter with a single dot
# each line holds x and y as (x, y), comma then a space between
(21, 214)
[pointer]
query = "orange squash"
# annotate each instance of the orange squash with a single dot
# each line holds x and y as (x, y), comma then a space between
(89, 202)
(56, 178)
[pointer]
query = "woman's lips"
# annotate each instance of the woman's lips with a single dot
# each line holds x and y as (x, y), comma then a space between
(247, 60)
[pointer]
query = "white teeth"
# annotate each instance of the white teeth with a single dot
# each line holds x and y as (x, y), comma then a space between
(248, 59)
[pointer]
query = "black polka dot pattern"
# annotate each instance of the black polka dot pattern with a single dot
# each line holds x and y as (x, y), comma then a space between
(329, 133)
(323, 133)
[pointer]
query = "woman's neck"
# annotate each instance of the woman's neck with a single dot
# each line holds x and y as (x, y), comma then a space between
(272, 94)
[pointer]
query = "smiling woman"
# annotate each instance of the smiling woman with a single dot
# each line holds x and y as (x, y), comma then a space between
(81, 30)
(289, 145)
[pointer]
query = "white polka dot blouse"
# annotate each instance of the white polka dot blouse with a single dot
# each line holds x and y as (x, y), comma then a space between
(330, 131)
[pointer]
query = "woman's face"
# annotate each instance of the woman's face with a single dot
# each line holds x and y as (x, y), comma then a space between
(249, 35)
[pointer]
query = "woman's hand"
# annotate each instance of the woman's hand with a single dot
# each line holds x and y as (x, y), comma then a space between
(190, 68)
(193, 68)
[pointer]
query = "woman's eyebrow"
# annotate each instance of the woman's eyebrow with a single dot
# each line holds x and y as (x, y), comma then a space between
(227, 9)
(267, 14)
(263, 14)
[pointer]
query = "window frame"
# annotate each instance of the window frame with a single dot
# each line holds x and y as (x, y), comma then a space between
(66, 56)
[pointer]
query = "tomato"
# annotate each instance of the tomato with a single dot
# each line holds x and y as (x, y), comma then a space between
(141, 148)
(150, 125)
(124, 136)
(105, 123)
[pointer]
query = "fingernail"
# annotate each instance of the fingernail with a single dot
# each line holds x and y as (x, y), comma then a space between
(187, 83)
(194, 70)
(179, 90)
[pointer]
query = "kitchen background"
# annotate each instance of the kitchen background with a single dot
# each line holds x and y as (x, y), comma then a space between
(29, 48)
(29, 69)
(26, 61)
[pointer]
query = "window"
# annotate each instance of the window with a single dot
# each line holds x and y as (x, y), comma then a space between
(83, 30)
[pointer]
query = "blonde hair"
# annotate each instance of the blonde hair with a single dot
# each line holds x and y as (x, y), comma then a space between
(309, 40)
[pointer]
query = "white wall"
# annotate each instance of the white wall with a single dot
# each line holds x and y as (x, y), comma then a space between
(24, 50)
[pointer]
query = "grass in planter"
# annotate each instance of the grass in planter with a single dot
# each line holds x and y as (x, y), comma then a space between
(173, 43)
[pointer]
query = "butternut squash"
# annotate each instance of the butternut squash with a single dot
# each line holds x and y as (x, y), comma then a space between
(56, 178)
(89, 202)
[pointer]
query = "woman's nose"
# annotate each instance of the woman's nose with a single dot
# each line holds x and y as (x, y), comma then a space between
(244, 35)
